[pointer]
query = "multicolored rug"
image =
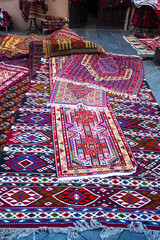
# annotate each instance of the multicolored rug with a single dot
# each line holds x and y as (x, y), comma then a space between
(10, 74)
(14, 46)
(32, 197)
(117, 74)
(73, 95)
(139, 46)
(152, 42)
(90, 143)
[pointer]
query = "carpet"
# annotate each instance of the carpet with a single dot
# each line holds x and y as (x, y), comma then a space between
(10, 74)
(35, 54)
(74, 95)
(139, 46)
(32, 197)
(18, 46)
(89, 143)
(10, 100)
(118, 74)
(152, 42)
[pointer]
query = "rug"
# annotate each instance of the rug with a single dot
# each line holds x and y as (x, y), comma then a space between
(118, 74)
(10, 74)
(32, 197)
(13, 45)
(74, 95)
(139, 46)
(152, 42)
(89, 143)
(35, 54)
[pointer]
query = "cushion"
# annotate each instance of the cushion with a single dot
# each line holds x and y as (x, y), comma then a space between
(66, 42)
(55, 48)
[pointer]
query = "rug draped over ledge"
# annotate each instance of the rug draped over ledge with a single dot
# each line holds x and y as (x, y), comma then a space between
(56, 158)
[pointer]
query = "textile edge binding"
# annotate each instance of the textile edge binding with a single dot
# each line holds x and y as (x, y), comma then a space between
(81, 226)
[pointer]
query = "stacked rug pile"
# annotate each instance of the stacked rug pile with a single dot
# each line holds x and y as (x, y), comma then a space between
(83, 151)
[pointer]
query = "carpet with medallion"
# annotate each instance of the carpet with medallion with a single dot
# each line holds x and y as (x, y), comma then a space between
(113, 73)
(31, 195)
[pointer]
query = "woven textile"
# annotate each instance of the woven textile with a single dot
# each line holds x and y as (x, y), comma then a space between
(35, 54)
(115, 3)
(33, 9)
(5, 18)
(14, 45)
(120, 74)
(90, 143)
(139, 46)
(31, 196)
(67, 47)
(65, 34)
(152, 43)
(158, 5)
(10, 100)
(54, 23)
(71, 94)
(11, 74)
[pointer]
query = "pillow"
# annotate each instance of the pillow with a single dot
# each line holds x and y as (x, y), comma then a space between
(55, 48)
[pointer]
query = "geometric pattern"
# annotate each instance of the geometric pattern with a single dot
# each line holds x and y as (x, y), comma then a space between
(36, 118)
(130, 199)
(30, 138)
(64, 94)
(25, 163)
(118, 74)
(89, 142)
(20, 197)
(139, 46)
(73, 196)
(11, 74)
(28, 171)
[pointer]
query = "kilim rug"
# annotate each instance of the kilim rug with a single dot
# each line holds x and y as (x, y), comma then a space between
(11, 98)
(74, 95)
(13, 45)
(89, 143)
(118, 74)
(152, 42)
(10, 74)
(32, 197)
(139, 46)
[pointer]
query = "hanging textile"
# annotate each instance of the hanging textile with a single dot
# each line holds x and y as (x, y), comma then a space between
(110, 3)
(33, 9)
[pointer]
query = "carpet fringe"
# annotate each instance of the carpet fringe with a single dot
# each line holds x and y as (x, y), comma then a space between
(80, 226)
(94, 86)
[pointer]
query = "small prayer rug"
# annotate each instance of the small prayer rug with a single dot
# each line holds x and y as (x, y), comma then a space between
(73, 95)
(10, 74)
(139, 46)
(89, 142)
(116, 74)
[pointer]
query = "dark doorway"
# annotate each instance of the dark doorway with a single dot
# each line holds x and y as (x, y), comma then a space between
(83, 13)
(91, 14)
